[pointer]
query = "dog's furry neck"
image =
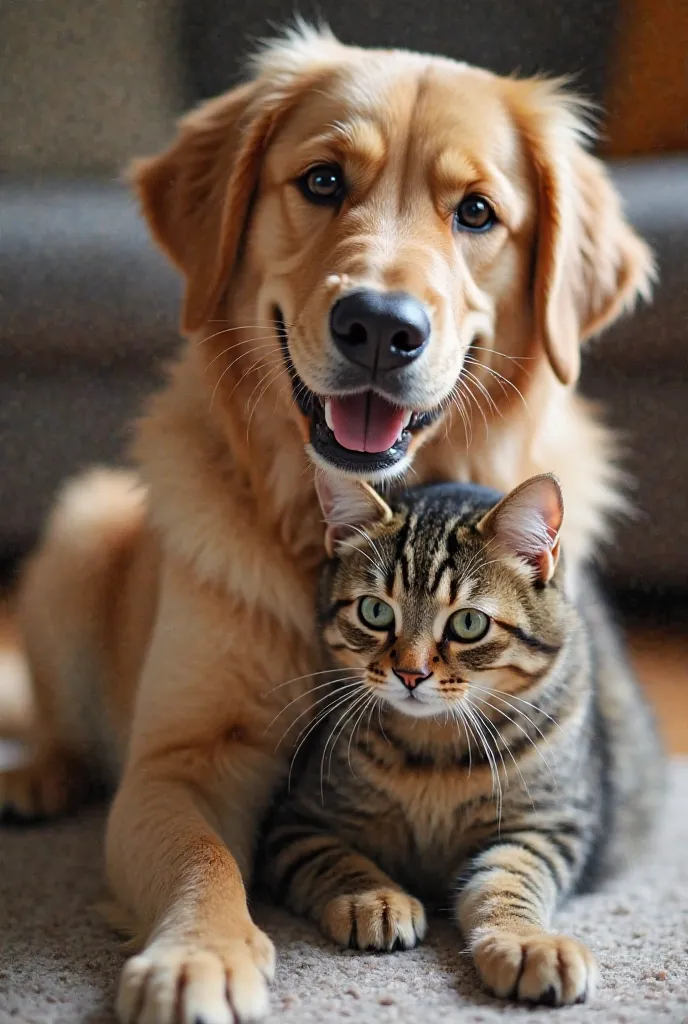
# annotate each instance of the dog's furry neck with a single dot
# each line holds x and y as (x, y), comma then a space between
(243, 514)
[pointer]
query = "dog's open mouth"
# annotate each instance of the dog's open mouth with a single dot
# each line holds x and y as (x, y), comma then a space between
(361, 433)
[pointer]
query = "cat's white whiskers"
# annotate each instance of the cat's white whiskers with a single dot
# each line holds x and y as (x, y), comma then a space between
(502, 694)
(506, 747)
(334, 735)
(363, 707)
(307, 693)
(489, 754)
(311, 707)
(310, 726)
(493, 733)
(310, 675)
(379, 718)
(366, 705)
(370, 716)
(320, 716)
(520, 727)
(458, 716)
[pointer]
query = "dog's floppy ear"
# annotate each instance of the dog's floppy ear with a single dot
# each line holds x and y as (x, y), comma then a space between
(590, 265)
(196, 196)
(198, 190)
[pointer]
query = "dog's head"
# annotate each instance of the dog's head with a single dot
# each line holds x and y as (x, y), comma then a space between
(395, 219)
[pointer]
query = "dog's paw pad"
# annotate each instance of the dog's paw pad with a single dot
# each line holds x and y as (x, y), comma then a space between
(225, 983)
(43, 788)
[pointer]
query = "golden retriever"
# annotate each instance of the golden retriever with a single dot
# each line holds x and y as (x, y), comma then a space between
(390, 263)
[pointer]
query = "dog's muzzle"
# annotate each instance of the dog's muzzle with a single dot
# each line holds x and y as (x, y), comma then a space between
(362, 432)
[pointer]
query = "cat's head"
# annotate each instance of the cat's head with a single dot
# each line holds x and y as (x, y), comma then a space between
(448, 591)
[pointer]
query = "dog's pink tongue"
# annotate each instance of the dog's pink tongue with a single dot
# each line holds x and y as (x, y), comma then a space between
(366, 423)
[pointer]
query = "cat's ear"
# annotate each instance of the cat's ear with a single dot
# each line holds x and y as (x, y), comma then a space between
(527, 523)
(348, 506)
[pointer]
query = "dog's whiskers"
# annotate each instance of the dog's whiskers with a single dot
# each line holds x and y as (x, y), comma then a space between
(500, 378)
(267, 380)
(230, 330)
(470, 395)
(483, 390)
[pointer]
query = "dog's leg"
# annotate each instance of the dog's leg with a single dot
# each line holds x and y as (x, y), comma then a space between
(63, 622)
(180, 838)
(203, 958)
(53, 779)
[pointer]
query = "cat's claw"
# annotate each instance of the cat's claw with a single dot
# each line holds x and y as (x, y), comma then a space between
(381, 919)
(539, 968)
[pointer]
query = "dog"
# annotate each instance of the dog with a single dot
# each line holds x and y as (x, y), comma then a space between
(391, 261)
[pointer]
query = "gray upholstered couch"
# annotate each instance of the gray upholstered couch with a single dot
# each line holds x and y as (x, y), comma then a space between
(88, 308)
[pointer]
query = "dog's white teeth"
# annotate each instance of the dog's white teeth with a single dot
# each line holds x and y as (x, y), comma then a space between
(328, 414)
(408, 419)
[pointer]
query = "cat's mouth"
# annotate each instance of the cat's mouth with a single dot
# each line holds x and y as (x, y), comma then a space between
(361, 433)
(417, 705)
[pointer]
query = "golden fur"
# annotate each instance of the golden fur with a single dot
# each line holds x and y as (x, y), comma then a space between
(190, 596)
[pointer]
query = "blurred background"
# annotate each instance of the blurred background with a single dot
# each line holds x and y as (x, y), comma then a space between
(88, 308)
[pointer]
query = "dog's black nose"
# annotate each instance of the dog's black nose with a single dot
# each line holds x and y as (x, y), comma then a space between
(379, 330)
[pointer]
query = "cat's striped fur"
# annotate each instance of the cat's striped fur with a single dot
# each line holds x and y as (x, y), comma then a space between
(520, 771)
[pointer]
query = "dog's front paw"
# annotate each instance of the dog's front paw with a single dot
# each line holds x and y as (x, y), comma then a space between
(383, 919)
(222, 983)
(537, 968)
(45, 787)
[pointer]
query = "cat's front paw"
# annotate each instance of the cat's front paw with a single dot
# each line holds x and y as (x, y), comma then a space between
(538, 968)
(382, 919)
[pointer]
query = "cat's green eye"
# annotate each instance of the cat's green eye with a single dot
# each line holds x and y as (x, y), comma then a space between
(375, 613)
(468, 625)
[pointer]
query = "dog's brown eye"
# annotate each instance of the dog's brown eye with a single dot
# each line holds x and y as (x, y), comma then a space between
(474, 213)
(323, 184)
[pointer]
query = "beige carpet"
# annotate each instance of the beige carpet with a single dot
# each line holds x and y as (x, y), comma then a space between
(59, 963)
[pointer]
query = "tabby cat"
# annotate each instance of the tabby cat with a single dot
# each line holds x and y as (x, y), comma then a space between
(483, 739)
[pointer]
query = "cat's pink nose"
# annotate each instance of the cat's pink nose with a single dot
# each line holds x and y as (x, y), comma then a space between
(411, 678)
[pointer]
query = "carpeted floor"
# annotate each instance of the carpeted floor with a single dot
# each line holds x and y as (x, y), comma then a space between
(59, 963)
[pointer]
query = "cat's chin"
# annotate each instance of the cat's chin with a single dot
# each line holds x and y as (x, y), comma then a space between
(418, 707)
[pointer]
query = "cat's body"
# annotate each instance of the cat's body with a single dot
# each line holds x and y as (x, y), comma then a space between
(528, 768)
